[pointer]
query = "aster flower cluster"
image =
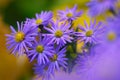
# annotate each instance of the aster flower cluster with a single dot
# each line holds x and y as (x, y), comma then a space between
(52, 43)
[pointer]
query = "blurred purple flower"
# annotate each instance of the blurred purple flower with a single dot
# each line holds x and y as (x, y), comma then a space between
(58, 60)
(42, 71)
(41, 51)
(100, 64)
(114, 23)
(98, 7)
(18, 41)
(69, 14)
(60, 34)
(92, 33)
(42, 19)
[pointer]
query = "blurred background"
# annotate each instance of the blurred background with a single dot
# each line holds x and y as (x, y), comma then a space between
(19, 68)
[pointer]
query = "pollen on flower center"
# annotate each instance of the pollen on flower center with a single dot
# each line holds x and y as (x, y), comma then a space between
(54, 58)
(69, 15)
(38, 21)
(58, 33)
(39, 48)
(89, 33)
(111, 36)
(19, 36)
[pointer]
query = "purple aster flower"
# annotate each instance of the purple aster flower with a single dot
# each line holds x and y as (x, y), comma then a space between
(111, 33)
(58, 60)
(110, 36)
(41, 51)
(98, 7)
(42, 71)
(92, 33)
(60, 34)
(42, 19)
(18, 41)
(69, 14)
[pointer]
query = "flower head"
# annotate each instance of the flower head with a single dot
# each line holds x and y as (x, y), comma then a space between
(60, 34)
(58, 60)
(69, 14)
(98, 7)
(18, 41)
(92, 33)
(42, 19)
(111, 34)
(41, 51)
(42, 71)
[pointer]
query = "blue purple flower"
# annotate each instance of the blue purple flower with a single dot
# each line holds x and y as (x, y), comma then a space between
(69, 14)
(42, 19)
(18, 41)
(60, 34)
(92, 33)
(41, 50)
(42, 71)
(58, 60)
(98, 7)
(113, 23)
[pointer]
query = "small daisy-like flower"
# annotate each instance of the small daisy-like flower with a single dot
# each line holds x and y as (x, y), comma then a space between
(58, 60)
(98, 7)
(60, 34)
(18, 41)
(42, 19)
(42, 71)
(92, 33)
(69, 14)
(111, 36)
(41, 51)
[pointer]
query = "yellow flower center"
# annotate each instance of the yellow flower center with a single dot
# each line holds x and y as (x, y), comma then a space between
(69, 15)
(111, 36)
(19, 36)
(54, 58)
(38, 21)
(39, 48)
(58, 33)
(89, 33)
